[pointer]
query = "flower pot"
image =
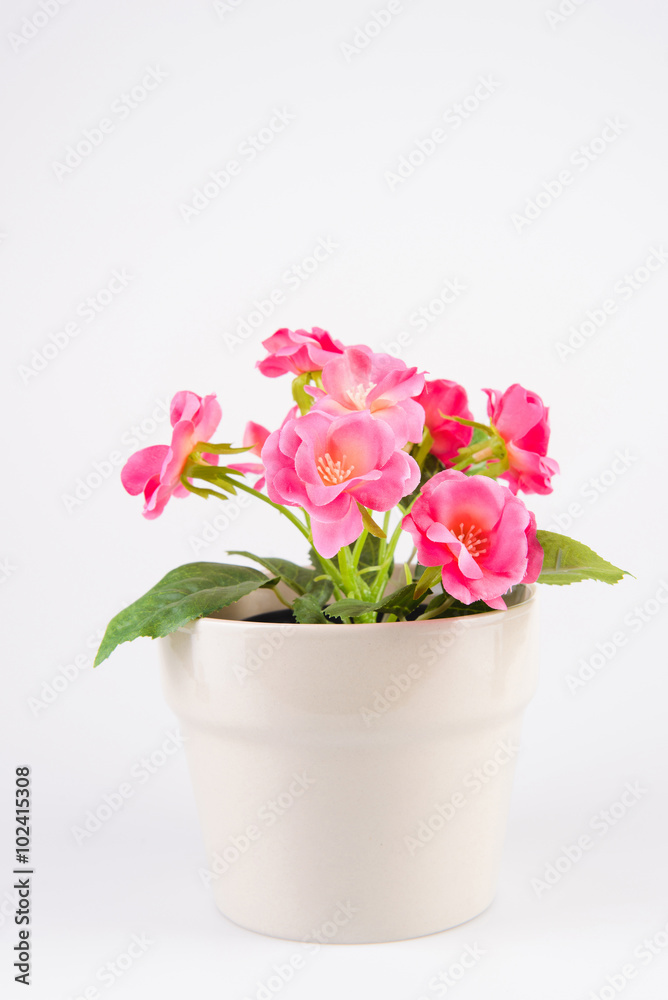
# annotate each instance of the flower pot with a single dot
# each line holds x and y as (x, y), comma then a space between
(353, 781)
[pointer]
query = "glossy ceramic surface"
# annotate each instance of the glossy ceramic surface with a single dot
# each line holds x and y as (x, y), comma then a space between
(353, 782)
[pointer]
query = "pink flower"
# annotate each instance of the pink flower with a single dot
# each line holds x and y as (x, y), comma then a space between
(297, 351)
(521, 419)
(360, 380)
(254, 437)
(328, 465)
(482, 535)
(156, 471)
(440, 397)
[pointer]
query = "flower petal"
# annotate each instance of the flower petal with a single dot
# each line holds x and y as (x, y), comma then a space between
(142, 466)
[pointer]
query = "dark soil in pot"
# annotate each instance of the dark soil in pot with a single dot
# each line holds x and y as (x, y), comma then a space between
(286, 617)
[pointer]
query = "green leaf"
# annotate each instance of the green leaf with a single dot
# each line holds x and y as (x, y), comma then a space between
(369, 523)
(350, 607)
(401, 602)
(313, 557)
(207, 448)
(444, 606)
(429, 579)
(307, 610)
(467, 423)
(298, 578)
(302, 398)
(370, 558)
(186, 593)
(568, 561)
(370, 554)
(321, 590)
(430, 468)
(301, 579)
(438, 606)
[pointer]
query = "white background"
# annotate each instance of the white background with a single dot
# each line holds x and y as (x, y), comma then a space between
(69, 566)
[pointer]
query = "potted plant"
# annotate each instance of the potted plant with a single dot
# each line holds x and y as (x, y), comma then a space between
(357, 778)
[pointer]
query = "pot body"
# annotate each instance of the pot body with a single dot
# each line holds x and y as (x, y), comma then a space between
(353, 782)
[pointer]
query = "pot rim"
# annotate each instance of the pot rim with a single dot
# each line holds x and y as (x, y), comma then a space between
(484, 617)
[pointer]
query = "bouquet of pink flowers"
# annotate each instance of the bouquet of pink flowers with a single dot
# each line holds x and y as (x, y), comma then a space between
(366, 436)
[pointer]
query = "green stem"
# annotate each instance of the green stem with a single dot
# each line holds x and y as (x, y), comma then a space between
(478, 457)
(326, 565)
(359, 545)
(487, 428)
(331, 573)
(407, 566)
(205, 493)
(386, 555)
(207, 447)
(392, 544)
(424, 449)
(281, 599)
(383, 542)
(462, 464)
(437, 611)
(213, 474)
(279, 507)
(347, 572)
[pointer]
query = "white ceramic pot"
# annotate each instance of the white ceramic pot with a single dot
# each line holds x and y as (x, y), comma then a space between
(353, 782)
